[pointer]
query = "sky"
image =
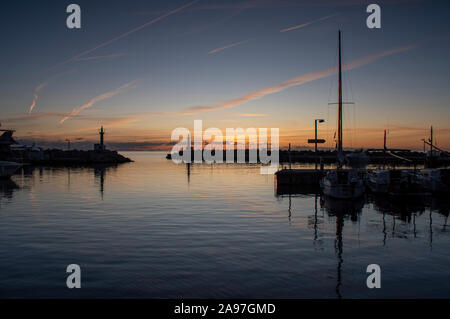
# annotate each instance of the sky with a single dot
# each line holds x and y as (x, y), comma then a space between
(143, 68)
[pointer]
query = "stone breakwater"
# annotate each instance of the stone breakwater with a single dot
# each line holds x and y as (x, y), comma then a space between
(72, 157)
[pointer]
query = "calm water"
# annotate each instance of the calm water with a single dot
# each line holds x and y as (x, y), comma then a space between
(156, 229)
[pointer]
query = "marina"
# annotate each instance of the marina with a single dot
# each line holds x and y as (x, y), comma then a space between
(225, 158)
(350, 179)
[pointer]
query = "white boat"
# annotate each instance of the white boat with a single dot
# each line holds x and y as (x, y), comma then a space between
(436, 180)
(378, 180)
(7, 169)
(395, 182)
(342, 183)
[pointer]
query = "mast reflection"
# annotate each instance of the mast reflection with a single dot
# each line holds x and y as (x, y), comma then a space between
(341, 210)
(100, 173)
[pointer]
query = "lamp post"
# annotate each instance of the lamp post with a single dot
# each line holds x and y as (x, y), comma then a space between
(315, 136)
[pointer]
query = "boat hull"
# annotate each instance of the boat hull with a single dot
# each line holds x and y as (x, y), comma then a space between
(7, 169)
(343, 191)
(342, 184)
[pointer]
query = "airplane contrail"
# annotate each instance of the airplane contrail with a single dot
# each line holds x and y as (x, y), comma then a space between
(99, 98)
(36, 95)
(308, 23)
(228, 46)
(98, 57)
(125, 34)
(299, 80)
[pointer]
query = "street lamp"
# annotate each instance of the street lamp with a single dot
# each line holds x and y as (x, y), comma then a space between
(315, 136)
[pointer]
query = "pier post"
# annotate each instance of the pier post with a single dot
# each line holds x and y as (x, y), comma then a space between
(290, 162)
(315, 139)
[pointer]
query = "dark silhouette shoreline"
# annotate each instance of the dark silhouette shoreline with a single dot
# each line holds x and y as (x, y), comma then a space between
(69, 157)
(329, 157)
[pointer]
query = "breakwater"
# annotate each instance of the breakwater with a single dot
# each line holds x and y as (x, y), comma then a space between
(69, 157)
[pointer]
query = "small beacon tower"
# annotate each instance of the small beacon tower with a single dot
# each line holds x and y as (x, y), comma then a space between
(101, 145)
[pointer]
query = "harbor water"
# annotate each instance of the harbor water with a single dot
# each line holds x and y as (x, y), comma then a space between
(155, 229)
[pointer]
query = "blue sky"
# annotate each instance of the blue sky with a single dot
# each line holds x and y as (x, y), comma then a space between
(175, 65)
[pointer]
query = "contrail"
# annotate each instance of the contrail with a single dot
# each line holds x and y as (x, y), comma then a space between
(36, 95)
(299, 80)
(307, 23)
(97, 57)
(228, 46)
(125, 34)
(99, 98)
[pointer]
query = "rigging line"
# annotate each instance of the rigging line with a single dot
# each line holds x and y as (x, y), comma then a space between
(350, 97)
(331, 141)
(354, 125)
(328, 125)
(332, 78)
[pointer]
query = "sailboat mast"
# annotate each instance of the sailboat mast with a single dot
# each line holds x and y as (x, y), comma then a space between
(340, 99)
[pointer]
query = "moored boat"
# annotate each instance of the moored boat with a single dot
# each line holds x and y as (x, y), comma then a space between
(395, 182)
(342, 183)
(7, 169)
(436, 180)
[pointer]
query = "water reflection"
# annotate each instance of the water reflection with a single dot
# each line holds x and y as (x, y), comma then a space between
(188, 172)
(65, 175)
(218, 230)
(100, 172)
(396, 213)
(7, 190)
(341, 210)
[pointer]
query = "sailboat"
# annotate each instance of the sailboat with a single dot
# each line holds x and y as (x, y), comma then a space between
(342, 183)
(395, 182)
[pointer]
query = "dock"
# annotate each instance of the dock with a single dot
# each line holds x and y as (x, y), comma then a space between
(298, 181)
(309, 177)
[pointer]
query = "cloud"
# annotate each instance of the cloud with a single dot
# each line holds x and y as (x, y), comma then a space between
(36, 95)
(252, 115)
(99, 98)
(101, 45)
(228, 46)
(300, 26)
(269, 4)
(299, 80)
(34, 116)
(98, 57)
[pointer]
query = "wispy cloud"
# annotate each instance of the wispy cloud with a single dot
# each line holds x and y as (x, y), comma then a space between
(269, 4)
(98, 57)
(99, 98)
(227, 46)
(36, 95)
(300, 26)
(101, 45)
(19, 118)
(299, 80)
(252, 114)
